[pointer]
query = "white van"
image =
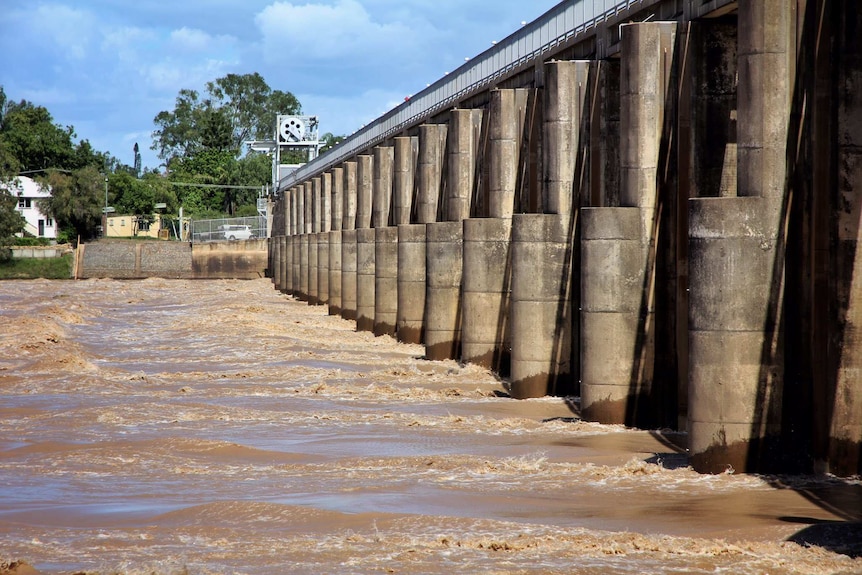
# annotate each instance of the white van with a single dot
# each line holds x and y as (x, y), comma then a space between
(237, 233)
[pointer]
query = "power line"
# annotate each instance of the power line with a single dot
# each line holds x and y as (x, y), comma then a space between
(193, 185)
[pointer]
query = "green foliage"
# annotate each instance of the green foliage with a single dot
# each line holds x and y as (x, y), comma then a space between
(76, 200)
(236, 108)
(329, 141)
(31, 141)
(31, 268)
(131, 196)
(245, 211)
(11, 221)
(29, 241)
(220, 168)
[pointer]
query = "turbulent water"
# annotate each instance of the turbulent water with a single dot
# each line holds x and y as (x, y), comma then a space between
(220, 427)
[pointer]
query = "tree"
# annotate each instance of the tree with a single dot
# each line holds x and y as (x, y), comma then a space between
(11, 220)
(76, 200)
(329, 141)
(235, 108)
(30, 141)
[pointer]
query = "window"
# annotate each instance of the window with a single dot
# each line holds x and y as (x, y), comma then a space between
(143, 226)
(24, 203)
(49, 222)
(123, 223)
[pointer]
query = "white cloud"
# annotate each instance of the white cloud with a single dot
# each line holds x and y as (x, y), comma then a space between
(69, 29)
(326, 32)
(172, 75)
(195, 40)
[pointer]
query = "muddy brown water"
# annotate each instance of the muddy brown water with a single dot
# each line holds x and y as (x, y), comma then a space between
(210, 427)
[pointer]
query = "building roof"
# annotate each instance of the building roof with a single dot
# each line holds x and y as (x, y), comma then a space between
(26, 187)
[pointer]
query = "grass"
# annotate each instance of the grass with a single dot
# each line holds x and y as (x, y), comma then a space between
(31, 268)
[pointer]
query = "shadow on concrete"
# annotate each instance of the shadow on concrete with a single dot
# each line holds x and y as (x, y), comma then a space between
(809, 331)
(653, 383)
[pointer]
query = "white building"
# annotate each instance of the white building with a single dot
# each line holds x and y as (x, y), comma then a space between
(28, 192)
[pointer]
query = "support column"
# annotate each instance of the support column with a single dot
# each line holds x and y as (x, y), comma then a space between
(295, 231)
(284, 262)
(844, 409)
(628, 254)
(444, 249)
(386, 281)
(386, 244)
(736, 251)
(337, 179)
(313, 242)
(304, 196)
(365, 278)
(348, 244)
(406, 150)
(410, 319)
(323, 239)
(443, 264)
(411, 237)
(463, 142)
(274, 260)
(286, 254)
(487, 258)
(432, 148)
(382, 186)
(542, 245)
(365, 246)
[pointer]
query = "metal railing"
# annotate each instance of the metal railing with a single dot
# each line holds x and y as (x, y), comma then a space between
(228, 229)
(526, 46)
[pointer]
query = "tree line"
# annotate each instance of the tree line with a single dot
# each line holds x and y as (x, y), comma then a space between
(200, 141)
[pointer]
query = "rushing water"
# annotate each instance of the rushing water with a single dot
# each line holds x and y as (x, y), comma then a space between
(220, 427)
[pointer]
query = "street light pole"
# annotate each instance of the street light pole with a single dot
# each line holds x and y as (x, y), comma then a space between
(105, 225)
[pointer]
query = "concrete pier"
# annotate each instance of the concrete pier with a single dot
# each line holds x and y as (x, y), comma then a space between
(303, 267)
(410, 318)
(541, 308)
(443, 265)
(274, 261)
(386, 281)
(365, 278)
(365, 248)
(284, 263)
(620, 253)
(334, 273)
(487, 263)
(844, 411)
(386, 243)
(337, 203)
(429, 167)
(444, 247)
(406, 152)
(348, 243)
(542, 249)
(736, 376)
(487, 270)
(348, 274)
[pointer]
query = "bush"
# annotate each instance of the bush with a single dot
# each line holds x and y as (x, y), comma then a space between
(30, 241)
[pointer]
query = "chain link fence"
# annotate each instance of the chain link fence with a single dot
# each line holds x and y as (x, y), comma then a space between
(228, 229)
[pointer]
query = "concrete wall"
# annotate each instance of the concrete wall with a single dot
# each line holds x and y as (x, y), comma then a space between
(135, 260)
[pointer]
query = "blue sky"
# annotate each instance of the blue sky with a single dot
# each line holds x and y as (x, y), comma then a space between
(107, 67)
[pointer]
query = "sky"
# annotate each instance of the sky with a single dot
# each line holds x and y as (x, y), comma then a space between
(108, 67)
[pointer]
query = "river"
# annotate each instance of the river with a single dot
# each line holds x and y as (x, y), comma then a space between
(204, 427)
